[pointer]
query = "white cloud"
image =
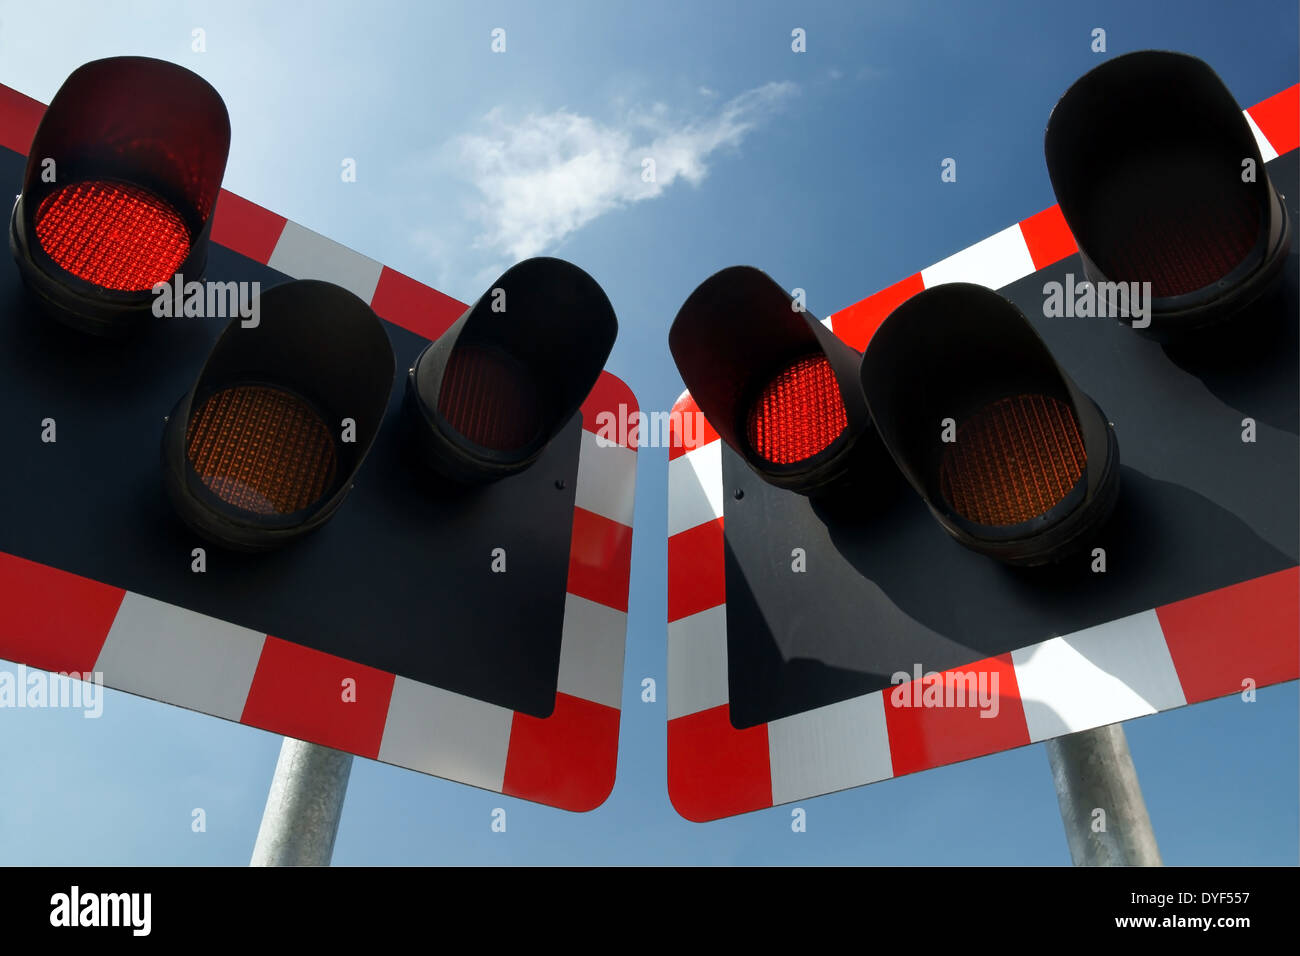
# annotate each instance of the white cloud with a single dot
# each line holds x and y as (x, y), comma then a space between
(547, 175)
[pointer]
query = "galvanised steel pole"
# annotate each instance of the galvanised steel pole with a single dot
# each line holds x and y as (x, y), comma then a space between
(303, 808)
(1093, 771)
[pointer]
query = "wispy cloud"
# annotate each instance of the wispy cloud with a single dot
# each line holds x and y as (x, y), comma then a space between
(540, 178)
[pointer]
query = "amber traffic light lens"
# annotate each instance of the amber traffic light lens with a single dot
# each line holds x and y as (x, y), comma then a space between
(261, 449)
(1013, 460)
(115, 235)
(798, 414)
(489, 398)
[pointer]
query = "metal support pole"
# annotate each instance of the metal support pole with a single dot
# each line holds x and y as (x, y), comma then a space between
(1093, 770)
(303, 808)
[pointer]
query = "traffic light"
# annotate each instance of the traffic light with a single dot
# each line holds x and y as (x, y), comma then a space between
(486, 398)
(119, 189)
(1013, 460)
(265, 446)
(1161, 181)
(778, 386)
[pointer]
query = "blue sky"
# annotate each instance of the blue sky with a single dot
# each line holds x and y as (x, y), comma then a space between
(821, 168)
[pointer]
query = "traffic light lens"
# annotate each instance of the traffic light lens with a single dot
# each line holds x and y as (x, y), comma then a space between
(1156, 234)
(262, 450)
(115, 235)
(1013, 460)
(489, 398)
(798, 414)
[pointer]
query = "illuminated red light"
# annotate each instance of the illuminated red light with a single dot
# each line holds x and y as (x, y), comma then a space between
(115, 235)
(798, 414)
(488, 398)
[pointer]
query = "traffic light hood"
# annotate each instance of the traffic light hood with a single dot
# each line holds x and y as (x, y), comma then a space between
(1160, 180)
(1012, 458)
(265, 446)
(119, 190)
(776, 384)
(488, 396)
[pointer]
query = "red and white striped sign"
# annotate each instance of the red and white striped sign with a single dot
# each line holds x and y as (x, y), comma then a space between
(61, 622)
(1145, 663)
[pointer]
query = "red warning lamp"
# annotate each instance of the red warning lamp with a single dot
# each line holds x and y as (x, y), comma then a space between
(119, 190)
(798, 414)
(778, 386)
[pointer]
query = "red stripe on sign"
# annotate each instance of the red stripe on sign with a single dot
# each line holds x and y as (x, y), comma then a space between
(413, 305)
(600, 559)
(1250, 631)
(858, 323)
(942, 719)
(304, 693)
(609, 409)
(246, 227)
(1048, 237)
(688, 429)
(715, 770)
(19, 117)
(567, 760)
(697, 574)
(53, 619)
(1278, 118)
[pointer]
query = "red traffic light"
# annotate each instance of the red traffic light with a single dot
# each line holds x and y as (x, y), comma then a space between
(777, 385)
(119, 190)
(1161, 181)
(798, 414)
(486, 398)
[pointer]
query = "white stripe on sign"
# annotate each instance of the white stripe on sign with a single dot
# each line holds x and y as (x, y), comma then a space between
(606, 479)
(997, 261)
(448, 735)
(304, 254)
(695, 488)
(1098, 676)
(697, 662)
(1266, 150)
(591, 651)
(831, 748)
(179, 656)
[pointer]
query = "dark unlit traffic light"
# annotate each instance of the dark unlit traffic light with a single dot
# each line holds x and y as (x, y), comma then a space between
(1161, 181)
(1012, 458)
(265, 446)
(486, 398)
